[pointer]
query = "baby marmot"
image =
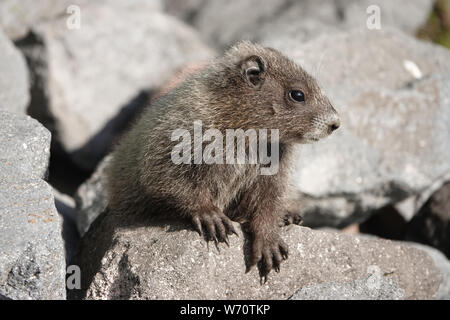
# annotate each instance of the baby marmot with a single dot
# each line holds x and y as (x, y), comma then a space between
(249, 88)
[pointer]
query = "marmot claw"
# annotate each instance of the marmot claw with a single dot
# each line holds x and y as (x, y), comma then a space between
(268, 254)
(217, 225)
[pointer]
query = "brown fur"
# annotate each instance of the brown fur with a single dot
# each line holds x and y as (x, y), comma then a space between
(226, 95)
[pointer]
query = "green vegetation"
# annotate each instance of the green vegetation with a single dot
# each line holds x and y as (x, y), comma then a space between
(437, 27)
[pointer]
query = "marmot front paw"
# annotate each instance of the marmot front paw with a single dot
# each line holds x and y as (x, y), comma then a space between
(269, 253)
(291, 218)
(217, 225)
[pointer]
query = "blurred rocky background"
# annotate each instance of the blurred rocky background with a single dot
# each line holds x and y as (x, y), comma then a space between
(375, 196)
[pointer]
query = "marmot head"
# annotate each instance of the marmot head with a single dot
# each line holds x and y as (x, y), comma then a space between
(266, 90)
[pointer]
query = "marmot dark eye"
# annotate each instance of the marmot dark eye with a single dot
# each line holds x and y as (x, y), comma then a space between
(297, 95)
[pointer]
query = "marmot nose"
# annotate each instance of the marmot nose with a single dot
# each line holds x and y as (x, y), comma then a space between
(334, 125)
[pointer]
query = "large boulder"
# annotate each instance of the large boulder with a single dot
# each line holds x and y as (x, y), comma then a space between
(130, 258)
(305, 20)
(32, 262)
(14, 86)
(222, 23)
(89, 82)
(393, 96)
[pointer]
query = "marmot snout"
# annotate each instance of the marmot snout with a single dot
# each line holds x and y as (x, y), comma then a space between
(249, 88)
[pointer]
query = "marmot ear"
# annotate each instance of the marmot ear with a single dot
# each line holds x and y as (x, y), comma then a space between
(253, 70)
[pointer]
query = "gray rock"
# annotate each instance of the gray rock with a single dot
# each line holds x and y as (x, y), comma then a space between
(128, 258)
(443, 264)
(14, 86)
(222, 23)
(363, 289)
(184, 9)
(393, 96)
(403, 15)
(90, 81)
(17, 17)
(32, 262)
(338, 15)
(409, 207)
(440, 261)
(91, 198)
(367, 61)
(25, 146)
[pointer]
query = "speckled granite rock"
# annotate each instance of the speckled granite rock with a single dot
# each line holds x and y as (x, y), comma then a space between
(364, 289)
(443, 264)
(25, 145)
(133, 259)
(32, 262)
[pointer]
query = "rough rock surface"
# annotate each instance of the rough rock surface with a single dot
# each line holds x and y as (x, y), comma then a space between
(135, 259)
(298, 21)
(431, 225)
(440, 261)
(443, 264)
(14, 94)
(89, 81)
(393, 96)
(365, 289)
(25, 145)
(32, 262)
